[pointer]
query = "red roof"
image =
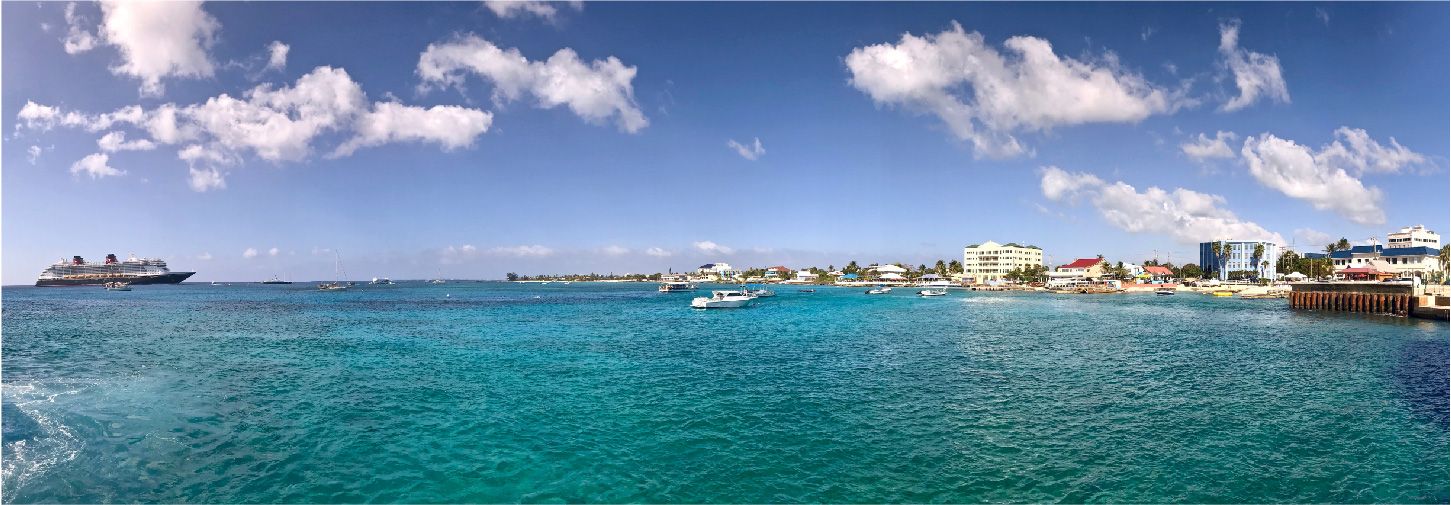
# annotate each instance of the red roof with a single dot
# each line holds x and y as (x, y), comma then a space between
(1158, 270)
(1082, 263)
(779, 269)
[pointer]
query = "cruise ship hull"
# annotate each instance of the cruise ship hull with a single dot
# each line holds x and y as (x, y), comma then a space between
(167, 278)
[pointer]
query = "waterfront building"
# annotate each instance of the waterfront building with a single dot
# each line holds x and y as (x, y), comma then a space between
(1240, 258)
(1079, 271)
(805, 276)
(1158, 274)
(777, 273)
(990, 262)
(718, 271)
(1412, 251)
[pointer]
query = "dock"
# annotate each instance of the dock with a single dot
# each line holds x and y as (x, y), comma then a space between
(1403, 300)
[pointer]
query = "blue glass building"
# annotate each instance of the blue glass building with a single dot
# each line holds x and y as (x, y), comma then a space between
(1240, 258)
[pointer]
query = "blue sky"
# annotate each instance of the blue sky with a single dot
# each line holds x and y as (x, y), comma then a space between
(469, 143)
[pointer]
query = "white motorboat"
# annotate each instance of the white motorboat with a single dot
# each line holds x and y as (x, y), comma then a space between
(117, 286)
(381, 280)
(1164, 291)
(879, 290)
(676, 287)
(761, 293)
(722, 300)
(933, 292)
(436, 281)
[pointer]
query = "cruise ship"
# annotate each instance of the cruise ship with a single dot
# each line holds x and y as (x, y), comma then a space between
(79, 272)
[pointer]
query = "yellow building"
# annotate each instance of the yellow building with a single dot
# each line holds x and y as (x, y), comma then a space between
(990, 262)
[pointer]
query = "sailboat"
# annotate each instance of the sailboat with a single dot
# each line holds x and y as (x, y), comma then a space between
(337, 284)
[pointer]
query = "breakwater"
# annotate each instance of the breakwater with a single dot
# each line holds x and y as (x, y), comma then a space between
(1389, 299)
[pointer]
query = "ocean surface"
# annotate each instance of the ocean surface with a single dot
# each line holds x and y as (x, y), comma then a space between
(495, 392)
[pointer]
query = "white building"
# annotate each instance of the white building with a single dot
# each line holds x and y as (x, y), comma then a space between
(1241, 258)
(1413, 236)
(990, 262)
(1412, 251)
(717, 271)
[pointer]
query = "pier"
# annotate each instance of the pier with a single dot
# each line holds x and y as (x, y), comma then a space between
(1401, 300)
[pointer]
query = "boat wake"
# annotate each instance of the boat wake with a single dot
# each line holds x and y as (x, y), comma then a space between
(36, 440)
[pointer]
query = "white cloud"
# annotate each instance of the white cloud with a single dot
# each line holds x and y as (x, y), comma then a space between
(273, 251)
(1322, 15)
(276, 124)
(277, 55)
(508, 9)
(658, 252)
(32, 153)
(251, 252)
(1314, 239)
(750, 152)
(450, 126)
(522, 251)
(1299, 173)
(615, 250)
(116, 141)
(1354, 151)
(597, 91)
(984, 95)
(206, 256)
(1255, 74)
(1187, 216)
(78, 40)
(96, 166)
(709, 247)
(1203, 148)
(159, 39)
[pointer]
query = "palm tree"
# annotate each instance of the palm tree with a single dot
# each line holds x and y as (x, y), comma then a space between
(1445, 257)
(954, 267)
(1258, 253)
(1221, 260)
(1342, 244)
(1264, 265)
(940, 268)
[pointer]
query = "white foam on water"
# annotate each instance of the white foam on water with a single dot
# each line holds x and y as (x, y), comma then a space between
(55, 445)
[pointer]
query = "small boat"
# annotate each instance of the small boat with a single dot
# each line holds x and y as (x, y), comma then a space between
(117, 286)
(331, 286)
(806, 291)
(275, 280)
(1164, 291)
(214, 283)
(879, 290)
(381, 280)
(761, 293)
(933, 292)
(1223, 292)
(722, 300)
(436, 281)
(676, 287)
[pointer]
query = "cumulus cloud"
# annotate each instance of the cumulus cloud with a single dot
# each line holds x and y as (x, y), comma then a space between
(251, 252)
(277, 55)
(509, 9)
(1257, 75)
(658, 252)
(276, 124)
(95, 165)
(32, 154)
(596, 92)
(449, 126)
(1320, 179)
(116, 141)
(984, 95)
(615, 250)
(709, 247)
(1203, 148)
(750, 152)
(159, 40)
(273, 251)
(1187, 216)
(78, 39)
(1354, 151)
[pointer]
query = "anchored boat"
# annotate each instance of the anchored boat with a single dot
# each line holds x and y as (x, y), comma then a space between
(79, 272)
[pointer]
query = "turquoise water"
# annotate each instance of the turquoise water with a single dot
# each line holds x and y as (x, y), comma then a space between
(492, 392)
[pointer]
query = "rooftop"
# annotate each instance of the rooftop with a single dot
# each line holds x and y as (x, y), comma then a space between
(1082, 263)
